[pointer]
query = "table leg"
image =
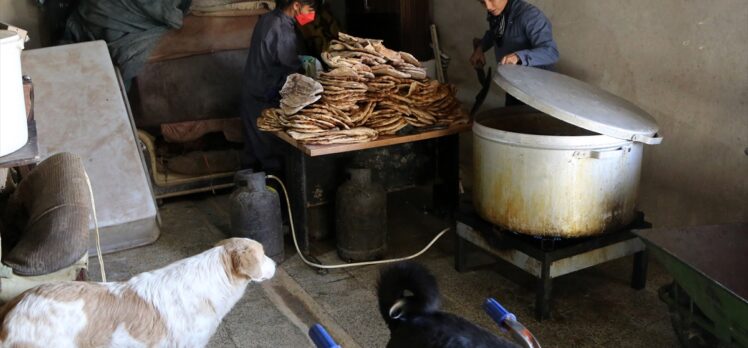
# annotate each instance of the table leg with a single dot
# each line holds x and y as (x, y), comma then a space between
(446, 191)
(462, 249)
(296, 177)
(543, 292)
(297, 171)
(639, 274)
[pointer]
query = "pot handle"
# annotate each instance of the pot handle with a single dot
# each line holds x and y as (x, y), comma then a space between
(606, 154)
(600, 154)
(653, 140)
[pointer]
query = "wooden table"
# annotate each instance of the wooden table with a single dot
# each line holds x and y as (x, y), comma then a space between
(312, 172)
(387, 140)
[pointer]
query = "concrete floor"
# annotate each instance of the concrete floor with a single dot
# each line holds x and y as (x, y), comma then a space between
(591, 308)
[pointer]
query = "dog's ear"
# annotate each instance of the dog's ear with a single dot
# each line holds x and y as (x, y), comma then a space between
(245, 257)
(248, 261)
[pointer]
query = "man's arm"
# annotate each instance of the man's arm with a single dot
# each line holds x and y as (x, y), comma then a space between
(544, 50)
(487, 41)
(288, 54)
(478, 58)
(283, 47)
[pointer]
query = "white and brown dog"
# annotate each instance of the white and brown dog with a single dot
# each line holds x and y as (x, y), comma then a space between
(180, 305)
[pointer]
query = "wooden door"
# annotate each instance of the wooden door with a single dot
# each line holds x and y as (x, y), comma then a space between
(402, 24)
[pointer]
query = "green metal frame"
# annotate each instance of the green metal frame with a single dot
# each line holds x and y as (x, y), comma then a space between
(727, 313)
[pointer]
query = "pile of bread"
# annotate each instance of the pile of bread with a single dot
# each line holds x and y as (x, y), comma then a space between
(369, 91)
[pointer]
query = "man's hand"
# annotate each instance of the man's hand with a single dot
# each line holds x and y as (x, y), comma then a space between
(510, 59)
(478, 59)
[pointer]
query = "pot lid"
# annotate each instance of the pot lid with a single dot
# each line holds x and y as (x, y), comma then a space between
(578, 103)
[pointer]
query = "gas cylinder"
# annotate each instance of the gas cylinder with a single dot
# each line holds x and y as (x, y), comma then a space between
(256, 214)
(361, 218)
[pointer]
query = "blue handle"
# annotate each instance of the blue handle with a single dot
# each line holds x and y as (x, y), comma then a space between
(497, 312)
(321, 338)
(508, 323)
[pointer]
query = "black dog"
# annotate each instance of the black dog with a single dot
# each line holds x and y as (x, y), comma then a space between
(409, 303)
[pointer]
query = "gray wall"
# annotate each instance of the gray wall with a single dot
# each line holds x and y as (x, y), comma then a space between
(685, 62)
(338, 10)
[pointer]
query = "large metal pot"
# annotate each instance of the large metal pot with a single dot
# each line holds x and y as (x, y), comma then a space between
(538, 175)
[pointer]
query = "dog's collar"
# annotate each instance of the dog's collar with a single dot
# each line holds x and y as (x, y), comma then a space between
(397, 311)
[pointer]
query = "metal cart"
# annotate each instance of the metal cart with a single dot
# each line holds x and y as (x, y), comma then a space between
(707, 299)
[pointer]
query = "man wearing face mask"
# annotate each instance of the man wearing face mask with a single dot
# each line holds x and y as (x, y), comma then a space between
(520, 34)
(273, 55)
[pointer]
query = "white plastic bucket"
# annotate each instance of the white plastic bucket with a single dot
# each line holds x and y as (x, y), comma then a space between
(13, 126)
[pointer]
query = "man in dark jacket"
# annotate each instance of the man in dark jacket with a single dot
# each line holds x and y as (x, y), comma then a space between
(273, 55)
(520, 34)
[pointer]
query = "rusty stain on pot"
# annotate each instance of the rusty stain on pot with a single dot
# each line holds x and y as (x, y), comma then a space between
(586, 206)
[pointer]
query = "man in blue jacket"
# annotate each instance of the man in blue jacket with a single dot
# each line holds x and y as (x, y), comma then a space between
(520, 34)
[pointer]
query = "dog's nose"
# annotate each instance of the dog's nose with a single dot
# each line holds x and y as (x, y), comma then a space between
(268, 268)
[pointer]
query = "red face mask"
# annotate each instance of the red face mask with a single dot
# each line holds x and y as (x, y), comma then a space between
(305, 18)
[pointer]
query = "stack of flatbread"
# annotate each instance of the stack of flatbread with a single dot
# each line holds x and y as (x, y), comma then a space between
(369, 91)
(347, 136)
(371, 57)
(318, 124)
(421, 104)
(388, 118)
(344, 89)
(431, 104)
(271, 120)
(298, 92)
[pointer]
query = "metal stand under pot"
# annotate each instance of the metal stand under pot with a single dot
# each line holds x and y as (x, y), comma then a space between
(564, 170)
(546, 258)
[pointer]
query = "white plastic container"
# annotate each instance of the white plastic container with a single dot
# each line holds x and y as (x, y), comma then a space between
(13, 127)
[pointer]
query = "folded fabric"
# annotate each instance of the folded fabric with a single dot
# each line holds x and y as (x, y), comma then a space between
(131, 28)
(46, 220)
(230, 13)
(202, 35)
(230, 5)
(189, 131)
(200, 87)
(205, 162)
